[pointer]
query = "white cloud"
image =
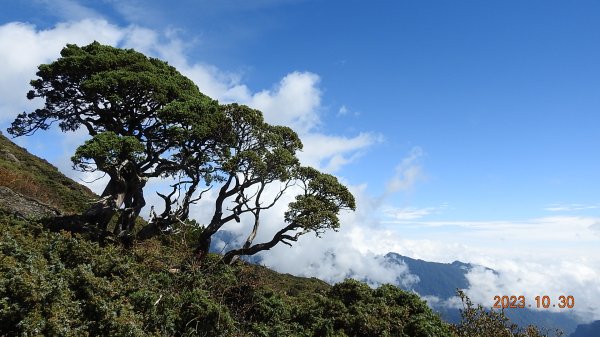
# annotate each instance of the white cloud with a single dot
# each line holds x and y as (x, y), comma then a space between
(23, 48)
(337, 255)
(408, 172)
(395, 214)
(436, 302)
(550, 256)
(563, 229)
(570, 207)
(521, 277)
(546, 256)
(329, 153)
(343, 111)
(294, 102)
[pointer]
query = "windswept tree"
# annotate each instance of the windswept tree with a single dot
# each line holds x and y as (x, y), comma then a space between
(146, 120)
(136, 109)
(262, 157)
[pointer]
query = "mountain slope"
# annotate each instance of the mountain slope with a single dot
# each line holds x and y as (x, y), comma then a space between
(34, 177)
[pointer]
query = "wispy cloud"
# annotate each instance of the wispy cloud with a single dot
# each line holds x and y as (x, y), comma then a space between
(394, 214)
(330, 153)
(70, 10)
(547, 229)
(408, 172)
(571, 207)
(344, 111)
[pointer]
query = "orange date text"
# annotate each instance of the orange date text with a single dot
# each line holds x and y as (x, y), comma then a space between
(540, 302)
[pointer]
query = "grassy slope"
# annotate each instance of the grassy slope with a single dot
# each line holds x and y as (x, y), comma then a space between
(34, 177)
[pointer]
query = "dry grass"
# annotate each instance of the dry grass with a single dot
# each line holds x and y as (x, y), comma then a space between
(25, 184)
(34, 177)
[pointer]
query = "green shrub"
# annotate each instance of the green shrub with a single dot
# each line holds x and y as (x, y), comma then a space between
(476, 321)
(58, 284)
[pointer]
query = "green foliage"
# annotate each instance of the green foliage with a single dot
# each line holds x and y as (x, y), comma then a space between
(317, 208)
(63, 285)
(357, 310)
(146, 120)
(102, 88)
(107, 150)
(478, 322)
(55, 284)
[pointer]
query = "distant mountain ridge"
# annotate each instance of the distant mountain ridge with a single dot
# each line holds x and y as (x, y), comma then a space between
(448, 276)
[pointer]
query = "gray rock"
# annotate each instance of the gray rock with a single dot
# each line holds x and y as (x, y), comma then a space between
(7, 155)
(23, 206)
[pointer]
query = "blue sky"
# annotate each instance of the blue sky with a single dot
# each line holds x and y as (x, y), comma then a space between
(467, 129)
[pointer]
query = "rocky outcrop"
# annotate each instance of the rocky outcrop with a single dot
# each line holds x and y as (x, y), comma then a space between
(24, 207)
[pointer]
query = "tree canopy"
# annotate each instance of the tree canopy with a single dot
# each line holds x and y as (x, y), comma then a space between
(146, 120)
(125, 100)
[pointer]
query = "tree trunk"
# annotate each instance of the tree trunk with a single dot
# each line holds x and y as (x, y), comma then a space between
(216, 222)
(101, 212)
(280, 236)
(232, 258)
(204, 243)
(134, 202)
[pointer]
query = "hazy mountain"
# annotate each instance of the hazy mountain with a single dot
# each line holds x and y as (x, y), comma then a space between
(442, 279)
(436, 279)
(587, 330)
